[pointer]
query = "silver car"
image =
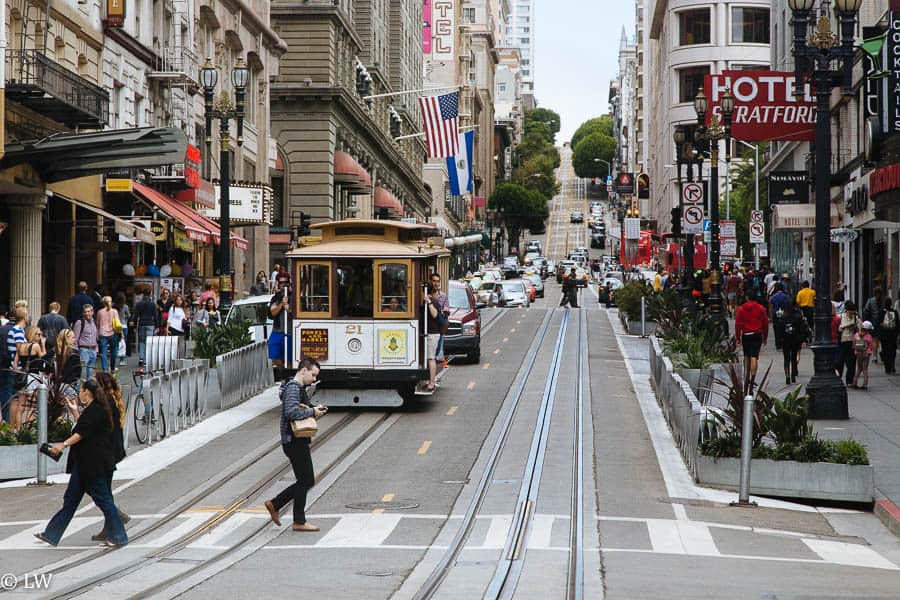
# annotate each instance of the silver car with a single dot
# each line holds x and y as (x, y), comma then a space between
(514, 293)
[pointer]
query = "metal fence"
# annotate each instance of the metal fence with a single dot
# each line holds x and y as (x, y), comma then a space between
(163, 351)
(680, 406)
(181, 393)
(243, 373)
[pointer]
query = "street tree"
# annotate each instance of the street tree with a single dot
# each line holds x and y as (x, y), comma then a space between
(602, 125)
(544, 115)
(520, 208)
(743, 196)
(537, 174)
(596, 145)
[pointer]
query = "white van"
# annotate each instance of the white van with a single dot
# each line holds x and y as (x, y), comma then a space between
(254, 310)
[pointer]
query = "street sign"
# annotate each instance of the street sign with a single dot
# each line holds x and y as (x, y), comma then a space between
(632, 229)
(728, 247)
(692, 193)
(727, 229)
(692, 218)
(756, 216)
(843, 235)
(757, 233)
(763, 250)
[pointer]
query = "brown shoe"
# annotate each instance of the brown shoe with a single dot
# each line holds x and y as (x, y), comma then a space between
(273, 513)
(304, 527)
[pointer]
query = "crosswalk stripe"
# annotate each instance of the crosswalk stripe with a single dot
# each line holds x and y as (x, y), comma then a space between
(842, 553)
(187, 525)
(696, 538)
(497, 532)
(360, 530)
(26, 539)
(541, 529)
(664, 536)
(218, 533)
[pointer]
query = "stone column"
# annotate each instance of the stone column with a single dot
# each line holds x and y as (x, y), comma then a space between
(25, 235)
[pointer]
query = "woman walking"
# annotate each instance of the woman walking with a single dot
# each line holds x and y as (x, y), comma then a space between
(864, 347)
(121, 305)
(888, 334)
(108, 322)
(68, 370)
(208, 316)
(91, 463)
(847, 329)
(114, 393)
(177, 320)
(794, 332)
(295, 405)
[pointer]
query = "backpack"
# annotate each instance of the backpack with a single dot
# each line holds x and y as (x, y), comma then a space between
(789, 330)
(890, 320)
(5, 357)
(859, 343)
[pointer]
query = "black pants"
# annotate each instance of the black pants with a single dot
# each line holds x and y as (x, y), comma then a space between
(809, 314)
(848, 367)
(889, 354)
(297, 452)
(791, 354)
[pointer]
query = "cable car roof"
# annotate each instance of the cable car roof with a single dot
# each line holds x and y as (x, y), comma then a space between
(373, 239)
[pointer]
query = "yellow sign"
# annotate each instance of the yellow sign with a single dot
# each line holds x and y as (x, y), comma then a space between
(119, 185)
(159, 229)
(392, 346)
(182, 242)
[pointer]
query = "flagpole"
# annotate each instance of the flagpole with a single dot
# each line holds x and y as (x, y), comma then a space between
(404, 92)
(422, 134)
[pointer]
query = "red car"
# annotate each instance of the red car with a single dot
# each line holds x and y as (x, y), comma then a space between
(464, 328)
(532, 290)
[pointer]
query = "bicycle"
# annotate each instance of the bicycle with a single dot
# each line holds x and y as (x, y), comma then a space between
(147, 415)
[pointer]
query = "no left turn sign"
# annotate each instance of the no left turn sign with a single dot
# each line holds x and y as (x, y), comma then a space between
(693, 215)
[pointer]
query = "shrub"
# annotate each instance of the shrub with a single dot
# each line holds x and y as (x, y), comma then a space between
(8, 435)
(628, 299)
(210, 342)
(60, 429)
(723, 446)
(787, 421)
(848, 452)
(28, 433)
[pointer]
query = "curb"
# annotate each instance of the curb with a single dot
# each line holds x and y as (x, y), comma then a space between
(889, 513)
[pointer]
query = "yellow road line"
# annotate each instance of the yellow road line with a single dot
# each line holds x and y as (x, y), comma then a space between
(377, 511)
(486, 366)
(425, 446)
(387, 498)
(452, 411)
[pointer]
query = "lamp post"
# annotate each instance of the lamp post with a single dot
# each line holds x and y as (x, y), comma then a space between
(826, 61)
(224, 110)
(684, 156)
(714, 133)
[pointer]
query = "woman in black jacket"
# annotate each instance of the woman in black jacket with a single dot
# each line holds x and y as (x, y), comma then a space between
(92, 459)
(795, 332)
(68, 361)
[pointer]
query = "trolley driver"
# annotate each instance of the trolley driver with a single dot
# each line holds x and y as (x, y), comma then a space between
(279, 309)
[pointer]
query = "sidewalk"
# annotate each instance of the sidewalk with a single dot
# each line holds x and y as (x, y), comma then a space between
(874, 421)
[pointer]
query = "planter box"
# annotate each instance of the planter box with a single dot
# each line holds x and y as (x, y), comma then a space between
(20, 462)
(634, 327)
(790, 479)
(700, 381)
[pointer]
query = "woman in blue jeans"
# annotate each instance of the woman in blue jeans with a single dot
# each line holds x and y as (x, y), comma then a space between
(92, 459)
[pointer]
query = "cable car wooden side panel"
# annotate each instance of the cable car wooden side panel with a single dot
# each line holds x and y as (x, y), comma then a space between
(358, 308)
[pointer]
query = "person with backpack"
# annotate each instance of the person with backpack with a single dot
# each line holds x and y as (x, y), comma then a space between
(863, 347)
(873, 312)
(887, 331)
(848, 327)
(794, 333)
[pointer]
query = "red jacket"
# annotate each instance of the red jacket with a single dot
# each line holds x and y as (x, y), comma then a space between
(751, 317)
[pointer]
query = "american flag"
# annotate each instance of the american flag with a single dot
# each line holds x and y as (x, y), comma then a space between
(441, 116)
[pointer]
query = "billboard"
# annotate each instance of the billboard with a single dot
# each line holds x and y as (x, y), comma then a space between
(788, 187)
(426, 27)
(765, 107)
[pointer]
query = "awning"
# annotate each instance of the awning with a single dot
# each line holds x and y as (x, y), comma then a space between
(385, 199)
(123, 227)
(197, 227)
(800, 216)
(350, 174)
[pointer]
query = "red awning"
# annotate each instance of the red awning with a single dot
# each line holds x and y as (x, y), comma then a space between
(350, 174)
(385, 199)
(197, 227)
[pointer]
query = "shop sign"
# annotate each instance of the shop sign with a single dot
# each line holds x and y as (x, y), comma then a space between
(248, 204)
(159, 229)
(203, 194)
(644, 186)
(479, 201)
(886, 178)
(625, 184)
(182, 241)
(788, 187)
(138, 224)
(893, 57)
(843, 235)
(119, 185)
(426, 27)
(314, 343)
(115, 13)
(765, 107)
(443, 29)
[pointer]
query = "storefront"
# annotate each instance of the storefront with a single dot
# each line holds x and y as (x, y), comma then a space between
(883, 199)
(793, 240)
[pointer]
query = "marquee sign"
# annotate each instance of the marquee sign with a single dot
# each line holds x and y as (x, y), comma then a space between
(765, 107)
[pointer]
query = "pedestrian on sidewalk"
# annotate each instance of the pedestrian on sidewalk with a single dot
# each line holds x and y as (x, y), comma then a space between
(121, 304)
(795, 333)
(806, 300)
(863, 346)
(108, 321)
(51, 324)
(295, 406)
(87, 340)
(873, 312)
(114, 392)
(777, 304)
(163, 305)
(751, 331)
(91, 462)
(147, 318)
(76, 303)
(888, 334)
(850, 324)
(177, 321)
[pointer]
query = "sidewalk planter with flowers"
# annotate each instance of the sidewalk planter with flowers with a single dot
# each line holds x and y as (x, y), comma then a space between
(628, 300)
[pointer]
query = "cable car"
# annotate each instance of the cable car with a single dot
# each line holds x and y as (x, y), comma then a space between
(358, 303)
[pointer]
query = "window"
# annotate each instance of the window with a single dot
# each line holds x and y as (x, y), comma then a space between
(458, 298)
(689, 81)
(355, 289)
(469, 15)
(394, 288)
(694, 27)
(750, 25)
(315, 288)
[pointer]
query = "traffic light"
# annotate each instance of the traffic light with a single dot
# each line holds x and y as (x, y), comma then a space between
(304, 224)
(676, 221)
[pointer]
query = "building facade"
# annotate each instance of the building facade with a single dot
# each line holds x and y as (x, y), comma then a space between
(623, 108)
(520, 33)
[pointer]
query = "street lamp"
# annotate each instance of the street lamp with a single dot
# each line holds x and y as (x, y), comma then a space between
(714, 133)
(224, 111)
(684, 155)
(825, 61)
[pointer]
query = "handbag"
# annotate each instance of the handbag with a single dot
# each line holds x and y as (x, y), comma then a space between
(117, 324)
(305, 428)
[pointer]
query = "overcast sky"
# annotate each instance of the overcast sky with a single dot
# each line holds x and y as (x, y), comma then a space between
(577, 53)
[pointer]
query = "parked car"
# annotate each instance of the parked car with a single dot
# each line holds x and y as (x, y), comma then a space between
(464, 325)
(538, 283)
(514, 293)
(606, 290)
(529, 285)
(255, 311)
(488, 294)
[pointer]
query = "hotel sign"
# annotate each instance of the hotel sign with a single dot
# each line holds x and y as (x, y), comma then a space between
(115, 13)
(443, 29)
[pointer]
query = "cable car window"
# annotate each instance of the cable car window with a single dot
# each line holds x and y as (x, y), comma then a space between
(394, 285)
(355, 288)
(315, 287)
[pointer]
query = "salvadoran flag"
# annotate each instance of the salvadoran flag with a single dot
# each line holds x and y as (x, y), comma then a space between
(460, 166)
